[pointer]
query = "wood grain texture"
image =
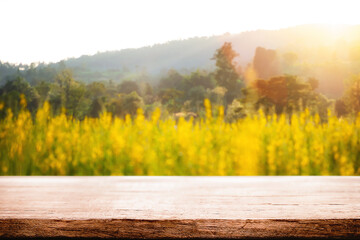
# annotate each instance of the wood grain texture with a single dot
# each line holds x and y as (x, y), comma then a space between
(180, 207)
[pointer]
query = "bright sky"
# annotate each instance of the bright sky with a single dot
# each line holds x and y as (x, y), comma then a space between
(51, 30)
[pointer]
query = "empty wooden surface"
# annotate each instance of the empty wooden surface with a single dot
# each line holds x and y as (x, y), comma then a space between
(180, 207)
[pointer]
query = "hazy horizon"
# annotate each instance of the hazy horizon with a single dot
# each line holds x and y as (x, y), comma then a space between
(43, 31)
(336, 27)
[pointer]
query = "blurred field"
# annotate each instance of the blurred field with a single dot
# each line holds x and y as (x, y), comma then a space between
(256, 145)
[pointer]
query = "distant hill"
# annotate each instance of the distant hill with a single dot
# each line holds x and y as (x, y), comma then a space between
(197, 52)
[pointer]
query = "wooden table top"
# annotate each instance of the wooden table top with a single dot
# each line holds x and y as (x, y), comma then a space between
(180, 207)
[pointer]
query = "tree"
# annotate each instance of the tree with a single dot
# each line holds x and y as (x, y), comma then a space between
(96, 108)
(128, 87)
(43, 89)
(225, 73)
(235, 111)
(95, 90)
(266, 63)
(166, 95)
(197, 95)
(217, 95)
(288, 93)
(10, 94)
(76, 95)
(148, 95)
(171, 98)
(173, 79)
(31, 74)
(199, 79)
(65, 80)
(125, 104)
(340, 108)
(67, 93)
(131, 102)
(352, 95)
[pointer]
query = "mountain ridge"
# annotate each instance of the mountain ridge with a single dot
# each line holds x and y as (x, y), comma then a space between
(196, 52)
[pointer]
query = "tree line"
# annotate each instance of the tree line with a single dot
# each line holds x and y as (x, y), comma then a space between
(260, 86)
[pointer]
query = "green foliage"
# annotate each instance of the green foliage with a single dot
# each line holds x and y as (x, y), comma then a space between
(171, 99)
(199, 79)
(197, 95)
(290, 94)
(68, 94)
(43, 89)
(125, 104)
(129, 87)
(132, 102)
(75, 98)
(75, 92)
(226, 74)
(173, 80)
(235, 111)
(96, 108)
(11, 92)
(168, 94)
(217, 95)
(95, 90)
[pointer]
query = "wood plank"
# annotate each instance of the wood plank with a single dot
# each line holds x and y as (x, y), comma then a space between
(180, 207)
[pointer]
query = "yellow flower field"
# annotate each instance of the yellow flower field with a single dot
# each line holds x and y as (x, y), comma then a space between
(255, 145)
